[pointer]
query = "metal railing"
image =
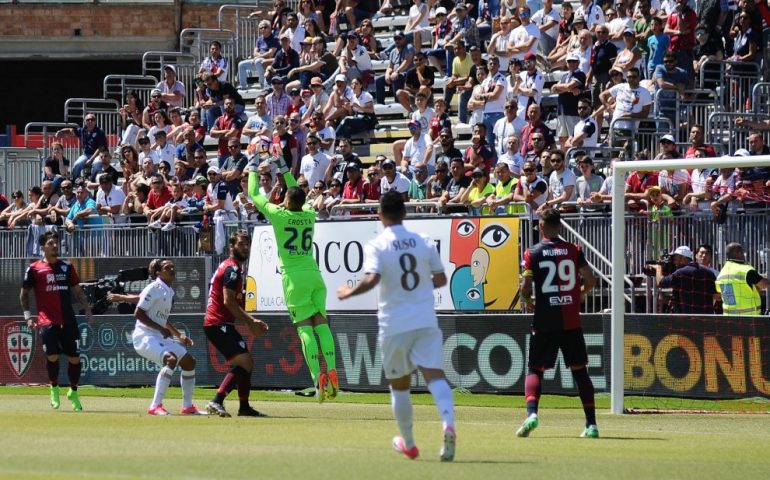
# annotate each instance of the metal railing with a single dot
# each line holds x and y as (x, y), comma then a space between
(760, 98)
(722, 130)
(186, 68)
(105, 111)
(124, 239)
(116, 87)
(685, 111)
(41, 135)
(236, 19)
(732, 82)
(195, 41)
(21, 169)
(369, 210)
(637, 134)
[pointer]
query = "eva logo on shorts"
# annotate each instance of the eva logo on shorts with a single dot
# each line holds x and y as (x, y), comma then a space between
(19, 346)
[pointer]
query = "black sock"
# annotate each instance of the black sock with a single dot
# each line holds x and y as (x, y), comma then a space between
(53, 372)
(73, 372)
(586, 392)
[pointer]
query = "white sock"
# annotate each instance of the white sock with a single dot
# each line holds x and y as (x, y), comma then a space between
(161, 385)
(188, 384)
(401, 401)
(442, 395)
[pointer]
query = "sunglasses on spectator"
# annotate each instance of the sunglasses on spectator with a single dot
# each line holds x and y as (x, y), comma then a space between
(157, 183)
(312, 143)
(65, 187)
(556, 160)
(302, 185)
(441, 170)
(537, 139)
(294, 120)
(280, 123)
(528, 170)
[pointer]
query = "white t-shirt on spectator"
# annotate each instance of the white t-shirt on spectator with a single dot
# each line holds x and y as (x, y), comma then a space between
(360, 56)
(153, 154)
(672, 183)
(177, 87)
(111, 199)
(166, 153)
(585, 59)
(619, 25)
(415, 150)
(423, 118)
(594, 16)
(414, 14)
(699, 182)
(558, 181)
(541, 18)
(326, 134)
(489, 84)
(513, 160)
(723, 186)
(522, 34)
(313, 167)
(400, 184)
(629, 100)
(535, 81)
(591, 130)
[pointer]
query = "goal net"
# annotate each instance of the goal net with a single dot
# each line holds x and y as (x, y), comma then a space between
(683, 362)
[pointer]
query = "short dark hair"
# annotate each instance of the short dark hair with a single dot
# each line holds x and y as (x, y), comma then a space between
(235, 236)
(43, 239)
(392, 205)
(670, 55)
(707, 247)
(156, 265)
(296, 198)
(551, 218)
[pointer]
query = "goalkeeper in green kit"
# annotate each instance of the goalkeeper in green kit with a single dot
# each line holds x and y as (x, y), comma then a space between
(303, 288)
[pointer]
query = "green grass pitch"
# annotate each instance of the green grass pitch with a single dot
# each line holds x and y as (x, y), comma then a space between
(350, 439)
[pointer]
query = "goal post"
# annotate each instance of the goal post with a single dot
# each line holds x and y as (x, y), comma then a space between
(617, 315)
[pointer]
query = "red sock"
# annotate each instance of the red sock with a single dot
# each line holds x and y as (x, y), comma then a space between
(532, 390)
(53, 371)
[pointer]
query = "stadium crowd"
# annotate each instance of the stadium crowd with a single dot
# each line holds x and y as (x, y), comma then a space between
(495, 69)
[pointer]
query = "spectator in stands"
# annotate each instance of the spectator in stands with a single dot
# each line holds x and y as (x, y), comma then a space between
(83, 211)
(724, 188)
(587, 183)
(299, 132)
(603, 58)
(56, 166)
(360, 116)
(91, 138)
(258, 125)
(355, 61)
(547, 21)
(464, 31)
(418, 187)
(629, 56)
(340, 101)
(531, 87)
(701, 182)
(219, 92)
(353, 189)
(186, 150)
(243, 203)
(325, 133)
(475, 102)
(561, 184)
(176, 135)
(708, 47)
(525, 38)
(284, 61)
(339, 163)
(215, 64)
(416, 150)
(285, 144)
(693, 286)
(441, 35)
(160, 124)
(146, 151)
(697, 140)
(231, 168)
(323, 63)
(494, 99)
(591, 12)
(531, 188)
(318, 99)
(704, 255)
(637, 184)
(194, 119)
(164, 168)
(129, 164)
(173, 211)
(748, 41)
(570, 89)
(109, 197)
(667, 146)
(131, 117)
(479, 191)
(478, 154)
(673, 81)
(227, 126)
(277, 101)
(313, 30)
(293, 30)
(558, 56)
(447, 150)
(157, 198)
(757, 144)
(450, 199)
(156, 104)
(400, 62)
(16, 206)
(674, 183)
(419, 79)
(440, 120)
(512, 156)
(681, 27)
(605, 192)
(262, 57)
(61, 208)
(657, 44)
(586, 131)
(315, 164)
(498, 44)
(372, 185)
(438, 182)
(172, 90)
(328, 198)
(505, 128)
(393, 180)
(619, 25)
(459, 74)
(417, 22)
(631, 101)
(535, 131)
(643, 29)
(166, 151)
(37, 214)
(500, 201)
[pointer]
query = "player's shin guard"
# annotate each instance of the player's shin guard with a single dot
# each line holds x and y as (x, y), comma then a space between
(310, 350)
(73, 373)
(188, 384)
(532, 390)
(326, 339)
(401, 402)
(53, 371)
(442, 395)
(161, 385)
(586, 392)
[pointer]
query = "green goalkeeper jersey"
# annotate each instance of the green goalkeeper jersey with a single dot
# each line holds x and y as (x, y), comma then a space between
(293, 230)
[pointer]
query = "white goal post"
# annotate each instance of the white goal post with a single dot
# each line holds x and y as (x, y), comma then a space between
(619, 170)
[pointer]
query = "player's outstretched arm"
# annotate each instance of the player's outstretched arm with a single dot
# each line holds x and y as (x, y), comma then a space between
(369, 282)
(260, 201)
(256, 327)
(439, 280)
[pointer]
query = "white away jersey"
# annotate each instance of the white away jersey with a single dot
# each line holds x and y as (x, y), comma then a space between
(156, 300)
(405, 262)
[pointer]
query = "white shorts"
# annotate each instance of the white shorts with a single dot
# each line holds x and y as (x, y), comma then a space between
(155, 348)
(403, 352)
(565, 126)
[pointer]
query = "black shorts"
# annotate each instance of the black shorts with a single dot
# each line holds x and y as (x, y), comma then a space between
(544, 347)
(226, 340)
(61, 339)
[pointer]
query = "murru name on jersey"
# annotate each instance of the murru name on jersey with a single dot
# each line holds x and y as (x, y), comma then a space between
(554, 252)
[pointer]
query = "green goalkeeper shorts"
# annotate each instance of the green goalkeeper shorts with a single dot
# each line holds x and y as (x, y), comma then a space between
(305, 294)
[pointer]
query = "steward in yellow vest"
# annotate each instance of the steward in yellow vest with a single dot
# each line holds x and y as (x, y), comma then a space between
(739, 284)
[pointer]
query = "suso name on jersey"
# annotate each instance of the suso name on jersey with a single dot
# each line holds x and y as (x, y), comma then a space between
(404, 244)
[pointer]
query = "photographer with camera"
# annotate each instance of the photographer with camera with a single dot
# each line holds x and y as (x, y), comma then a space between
(693, 285)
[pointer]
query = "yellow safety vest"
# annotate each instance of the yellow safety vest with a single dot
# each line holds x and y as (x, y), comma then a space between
(738, 297)
(503, 190)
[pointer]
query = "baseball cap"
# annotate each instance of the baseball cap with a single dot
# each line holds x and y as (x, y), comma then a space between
(170, 67)
(306, 41)
(399, 34)
(414, 125)
(352, 34)
(294, 92)
(478, 171)
(667, 138)
(573, 56)
(460, 6)
(741, 152)
(213, 170)
(201, 180)
(285, 36)
(629, 30)
(155, 91)
(352, 166)
(277, 79)
(340, 78)
(440, 11)
(684, 251)
(530, 56)
(316, 81)
(579, 19)
(389, 161)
